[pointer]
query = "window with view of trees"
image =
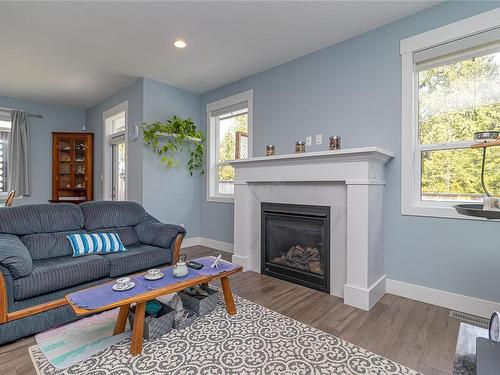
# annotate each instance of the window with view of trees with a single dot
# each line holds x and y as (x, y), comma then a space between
(232, 144)
(456, 98)
(229, 138)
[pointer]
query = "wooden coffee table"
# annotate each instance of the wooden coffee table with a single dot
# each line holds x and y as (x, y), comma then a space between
(141, 299)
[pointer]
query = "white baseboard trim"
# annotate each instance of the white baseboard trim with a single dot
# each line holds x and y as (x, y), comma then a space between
(449, 300)
(364, 298)
(188, 242)
(208, 242)
(242, 261)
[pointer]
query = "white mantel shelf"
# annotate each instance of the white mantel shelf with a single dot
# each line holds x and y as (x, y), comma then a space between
(356, 153)
(351, 182)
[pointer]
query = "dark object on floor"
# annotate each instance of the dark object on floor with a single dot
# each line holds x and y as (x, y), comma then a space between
(488, 356)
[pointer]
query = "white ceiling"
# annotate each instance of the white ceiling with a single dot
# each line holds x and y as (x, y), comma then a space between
(79, 53)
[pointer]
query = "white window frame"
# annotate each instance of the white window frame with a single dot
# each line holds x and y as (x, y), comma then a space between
(108, 140)
(212, 130)
(411, 203)
(5, 116)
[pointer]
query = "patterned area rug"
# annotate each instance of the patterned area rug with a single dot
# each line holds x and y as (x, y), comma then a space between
(255, 341)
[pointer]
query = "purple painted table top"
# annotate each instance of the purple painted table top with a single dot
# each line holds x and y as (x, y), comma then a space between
(99, 296)
(224, 266)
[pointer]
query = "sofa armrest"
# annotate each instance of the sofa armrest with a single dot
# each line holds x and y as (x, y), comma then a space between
(152, 232)
(14, 256)
(6, 293)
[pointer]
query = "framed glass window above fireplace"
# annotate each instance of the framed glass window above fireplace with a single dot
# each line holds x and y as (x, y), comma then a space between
(229, 137)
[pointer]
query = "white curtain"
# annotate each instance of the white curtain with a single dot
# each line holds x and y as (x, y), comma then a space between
(18, 165)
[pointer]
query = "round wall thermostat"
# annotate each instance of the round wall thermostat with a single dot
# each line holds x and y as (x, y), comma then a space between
(133, 132)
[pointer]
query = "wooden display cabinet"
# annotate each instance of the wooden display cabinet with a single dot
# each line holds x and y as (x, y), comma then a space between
(72, 169)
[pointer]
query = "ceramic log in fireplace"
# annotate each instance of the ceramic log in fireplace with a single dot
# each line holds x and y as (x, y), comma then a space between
(296, 244)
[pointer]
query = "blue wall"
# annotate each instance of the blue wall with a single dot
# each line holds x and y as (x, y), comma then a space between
(134, 95)
(171, 195)
(55, 118)
(353, 89)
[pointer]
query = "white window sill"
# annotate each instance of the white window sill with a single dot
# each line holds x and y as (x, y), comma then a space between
(440, 212)
(221, 199)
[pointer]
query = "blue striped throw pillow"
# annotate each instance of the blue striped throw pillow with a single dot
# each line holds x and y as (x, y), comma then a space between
(95, 243)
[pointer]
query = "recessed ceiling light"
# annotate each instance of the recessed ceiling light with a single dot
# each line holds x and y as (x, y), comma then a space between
(180, 44)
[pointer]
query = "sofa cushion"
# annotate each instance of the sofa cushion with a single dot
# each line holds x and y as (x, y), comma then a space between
(128, 235)
(52, 274)
(95, 243)
(40, 218)
(137, 258)
(158, 234)
(49, 245)
(14, 256)
(108, 214)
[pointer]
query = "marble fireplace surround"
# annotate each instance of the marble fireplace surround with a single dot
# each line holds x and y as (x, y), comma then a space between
(351, 182)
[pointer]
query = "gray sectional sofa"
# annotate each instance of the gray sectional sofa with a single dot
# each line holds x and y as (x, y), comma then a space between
(37, 268)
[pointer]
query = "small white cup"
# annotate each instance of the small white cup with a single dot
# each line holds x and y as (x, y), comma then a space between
(123, 281)
(153, 272)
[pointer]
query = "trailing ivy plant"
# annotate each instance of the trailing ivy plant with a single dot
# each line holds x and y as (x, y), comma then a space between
(182, 137)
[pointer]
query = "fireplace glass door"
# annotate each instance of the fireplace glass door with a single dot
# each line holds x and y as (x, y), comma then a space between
(296, 243)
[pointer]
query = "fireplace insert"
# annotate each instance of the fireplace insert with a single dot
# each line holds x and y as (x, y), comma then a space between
(295, 244)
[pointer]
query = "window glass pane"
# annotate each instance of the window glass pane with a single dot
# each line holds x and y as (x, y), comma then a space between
(119, 171)
(458, 99)
(118, 124)
(4, 138)
(226, 179)
(233, 137)
(455, 175)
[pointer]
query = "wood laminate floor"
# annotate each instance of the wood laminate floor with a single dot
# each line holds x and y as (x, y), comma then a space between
(415, 334)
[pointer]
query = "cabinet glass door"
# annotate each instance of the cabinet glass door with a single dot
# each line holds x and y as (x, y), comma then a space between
(79, 176)
(64, 164)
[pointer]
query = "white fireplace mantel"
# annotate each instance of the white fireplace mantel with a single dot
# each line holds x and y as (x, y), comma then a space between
(351, 182)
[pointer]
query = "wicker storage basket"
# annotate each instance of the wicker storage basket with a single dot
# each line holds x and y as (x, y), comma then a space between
(200, 306)
(155, 327)
(181, 324)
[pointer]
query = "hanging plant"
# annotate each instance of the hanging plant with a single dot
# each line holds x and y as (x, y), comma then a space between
(176, 136)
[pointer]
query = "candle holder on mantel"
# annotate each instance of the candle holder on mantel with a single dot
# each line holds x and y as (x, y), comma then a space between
(300, 147)
(335, 143)
(485, 140)
(270, 150)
